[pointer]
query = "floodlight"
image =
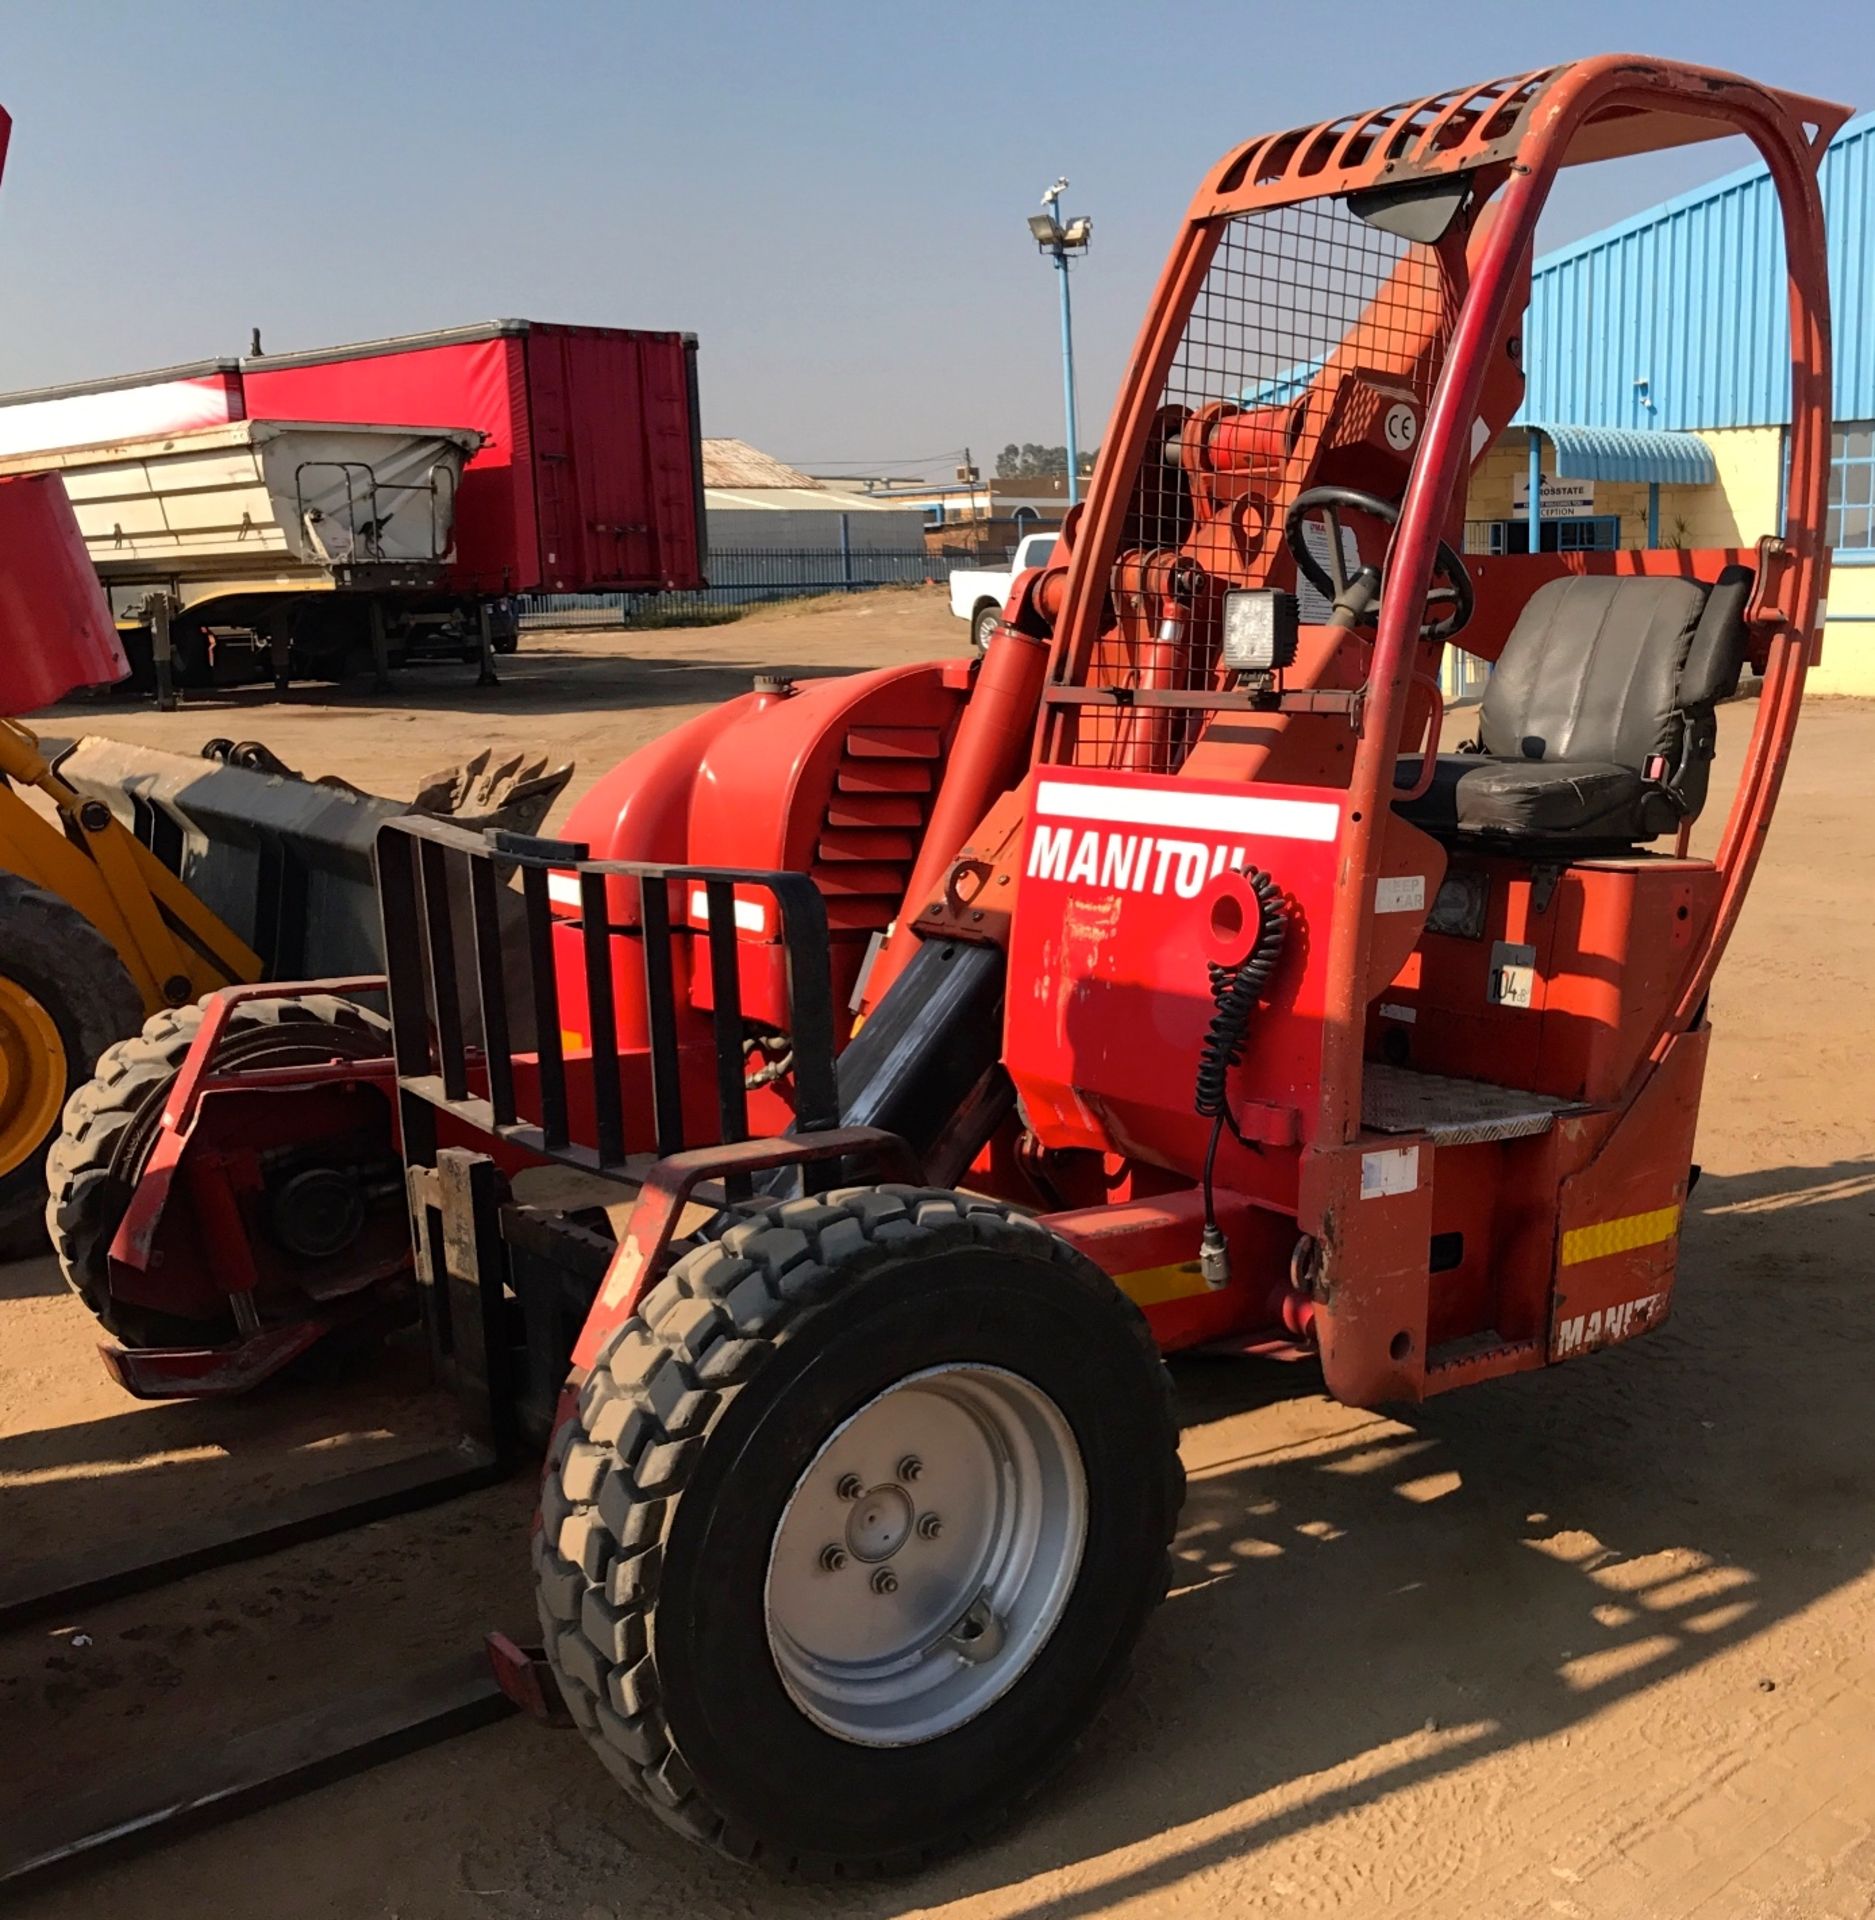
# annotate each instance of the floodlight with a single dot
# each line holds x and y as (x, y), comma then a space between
(1259, 630)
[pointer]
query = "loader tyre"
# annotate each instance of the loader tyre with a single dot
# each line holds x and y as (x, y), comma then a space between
(854, 1527)
(111, 1123)
(64, 997)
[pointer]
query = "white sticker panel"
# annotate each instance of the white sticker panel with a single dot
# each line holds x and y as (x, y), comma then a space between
(750, 916)
(1279, 819)
(1389, 1170)
(1400, 893)
(1513, 974)
(1392, 1010)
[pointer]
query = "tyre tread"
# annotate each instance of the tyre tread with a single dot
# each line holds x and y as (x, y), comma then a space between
(703, 1331)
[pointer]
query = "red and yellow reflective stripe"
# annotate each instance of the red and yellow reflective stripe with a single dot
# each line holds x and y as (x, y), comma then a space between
(1154, 1286)
(1624, 1235)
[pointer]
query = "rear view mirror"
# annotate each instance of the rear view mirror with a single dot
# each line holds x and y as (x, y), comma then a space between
(1421, 210)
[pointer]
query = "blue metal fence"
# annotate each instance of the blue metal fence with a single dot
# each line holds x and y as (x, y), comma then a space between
(743, 577)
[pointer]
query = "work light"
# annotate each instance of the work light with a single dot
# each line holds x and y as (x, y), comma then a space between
(1259, 630)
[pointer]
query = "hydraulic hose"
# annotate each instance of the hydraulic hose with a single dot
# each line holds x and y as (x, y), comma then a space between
(1235, 992)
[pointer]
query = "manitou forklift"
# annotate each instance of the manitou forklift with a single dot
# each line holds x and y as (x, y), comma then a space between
(967, 1036)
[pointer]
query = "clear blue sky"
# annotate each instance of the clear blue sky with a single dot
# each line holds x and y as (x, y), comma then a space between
(832, 196)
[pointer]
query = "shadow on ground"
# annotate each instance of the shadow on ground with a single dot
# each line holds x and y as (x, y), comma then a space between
(1505, 1563)
(143, 1468)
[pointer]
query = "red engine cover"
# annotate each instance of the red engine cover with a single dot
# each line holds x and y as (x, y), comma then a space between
(834, 779)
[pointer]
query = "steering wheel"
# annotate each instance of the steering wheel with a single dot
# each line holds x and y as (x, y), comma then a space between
(1333, 582)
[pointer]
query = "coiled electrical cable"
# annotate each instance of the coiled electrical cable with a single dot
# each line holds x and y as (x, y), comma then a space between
(1235, 992)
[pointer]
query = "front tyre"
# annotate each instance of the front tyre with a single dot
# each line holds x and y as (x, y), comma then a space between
(856, 1526)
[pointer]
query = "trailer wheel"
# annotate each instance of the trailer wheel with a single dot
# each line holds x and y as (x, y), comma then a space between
(64, 997)
(856, 1526)
(111, 1121)
(983, 625)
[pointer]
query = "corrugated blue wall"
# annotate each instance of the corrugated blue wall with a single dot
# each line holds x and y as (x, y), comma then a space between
(1690, 297)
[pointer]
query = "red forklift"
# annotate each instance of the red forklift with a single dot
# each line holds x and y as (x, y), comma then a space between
(973, 1034)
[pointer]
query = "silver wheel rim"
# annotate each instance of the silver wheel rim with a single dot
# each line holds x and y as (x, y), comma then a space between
(926, 1555)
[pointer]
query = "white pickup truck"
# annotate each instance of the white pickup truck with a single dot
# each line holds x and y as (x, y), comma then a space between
(978, 593)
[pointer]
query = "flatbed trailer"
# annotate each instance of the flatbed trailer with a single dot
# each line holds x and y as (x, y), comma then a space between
(275, 544)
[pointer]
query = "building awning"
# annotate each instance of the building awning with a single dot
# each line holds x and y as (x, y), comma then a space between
(1627, 453)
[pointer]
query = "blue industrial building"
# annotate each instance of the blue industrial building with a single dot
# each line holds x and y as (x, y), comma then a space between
(1658, 366)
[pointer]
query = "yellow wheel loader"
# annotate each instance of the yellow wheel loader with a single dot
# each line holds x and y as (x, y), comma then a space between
(133, 882)
(96, 934)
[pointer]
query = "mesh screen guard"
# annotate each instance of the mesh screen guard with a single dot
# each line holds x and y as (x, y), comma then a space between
(1309, 356)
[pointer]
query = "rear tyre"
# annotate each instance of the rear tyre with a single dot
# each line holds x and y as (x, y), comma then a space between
(64, 997)
(856, 1526)
(111, 1123)
(983, 626)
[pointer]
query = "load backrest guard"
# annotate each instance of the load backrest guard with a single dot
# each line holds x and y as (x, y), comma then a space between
(582, 1093)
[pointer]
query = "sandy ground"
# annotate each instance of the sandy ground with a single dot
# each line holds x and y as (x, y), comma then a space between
(1598, 1643)
(589, 697)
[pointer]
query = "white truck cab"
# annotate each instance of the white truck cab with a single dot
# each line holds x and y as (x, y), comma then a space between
(978, 593)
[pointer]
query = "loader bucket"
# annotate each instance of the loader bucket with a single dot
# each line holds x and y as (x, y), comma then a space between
(285, 862)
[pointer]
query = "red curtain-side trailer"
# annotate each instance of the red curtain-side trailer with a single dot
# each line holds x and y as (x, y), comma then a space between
(591, 477)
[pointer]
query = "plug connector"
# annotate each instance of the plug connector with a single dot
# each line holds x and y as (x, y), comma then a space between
(1214, 1257)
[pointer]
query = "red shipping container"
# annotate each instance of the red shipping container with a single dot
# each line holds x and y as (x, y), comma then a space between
(592, 476)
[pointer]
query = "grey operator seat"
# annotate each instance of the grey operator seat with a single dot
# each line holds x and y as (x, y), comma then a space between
(1598, 725)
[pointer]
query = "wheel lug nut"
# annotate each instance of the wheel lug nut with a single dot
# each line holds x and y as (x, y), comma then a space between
(832, 1559)
(884, 1581)
(929, 1526)
(910, 1467)
(848, 1487)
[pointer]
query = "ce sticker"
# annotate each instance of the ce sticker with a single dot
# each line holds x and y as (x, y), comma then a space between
(1402, 428)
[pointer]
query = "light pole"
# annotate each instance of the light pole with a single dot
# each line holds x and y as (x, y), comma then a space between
(1059, 241)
